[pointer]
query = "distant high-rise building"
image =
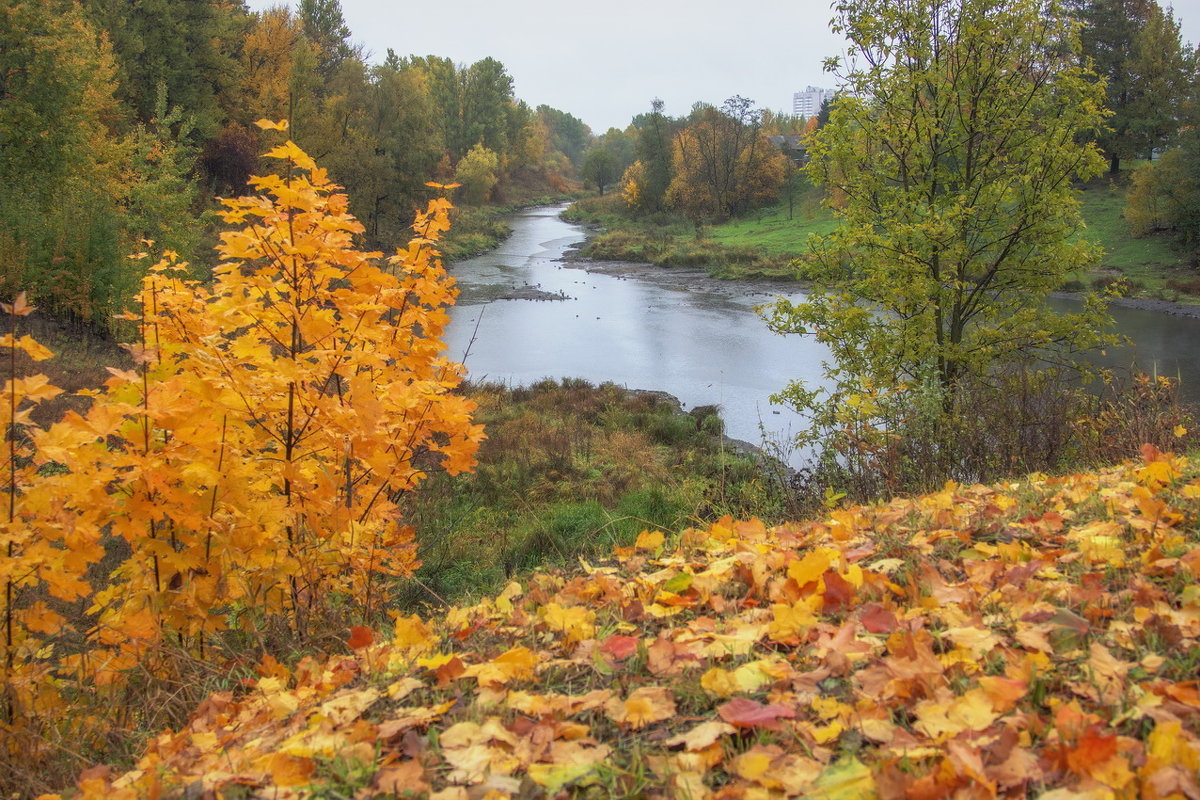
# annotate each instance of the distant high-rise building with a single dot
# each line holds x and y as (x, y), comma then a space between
(808, 103)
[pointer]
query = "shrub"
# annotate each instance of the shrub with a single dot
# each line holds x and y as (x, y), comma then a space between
(247, 468)
(1184, 286)
(1117, 286)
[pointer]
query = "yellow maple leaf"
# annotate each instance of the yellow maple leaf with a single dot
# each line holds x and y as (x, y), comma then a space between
(574, 621)
(287, 770)
(649, 540)
(643, 707)
(515, 664)
(412, 633)
(790, 622)
(812, 566)
(755, 764)
(940, 719)
(720, 682)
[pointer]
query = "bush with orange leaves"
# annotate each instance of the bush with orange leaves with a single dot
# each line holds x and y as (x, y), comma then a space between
(248, 467)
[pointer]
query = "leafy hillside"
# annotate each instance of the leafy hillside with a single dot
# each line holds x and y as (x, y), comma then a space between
(1039, 638)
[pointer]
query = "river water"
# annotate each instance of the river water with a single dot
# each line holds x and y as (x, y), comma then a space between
(700, 342)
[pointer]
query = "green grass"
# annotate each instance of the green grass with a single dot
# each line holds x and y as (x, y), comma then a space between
(759, 245)
(771, 230)
(1147, 262)
(764, 242)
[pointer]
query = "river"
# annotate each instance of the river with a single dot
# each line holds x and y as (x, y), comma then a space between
(700, 341)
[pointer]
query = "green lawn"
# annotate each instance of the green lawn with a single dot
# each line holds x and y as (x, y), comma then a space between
(1150, 260)
(770, 230)
(762, 243)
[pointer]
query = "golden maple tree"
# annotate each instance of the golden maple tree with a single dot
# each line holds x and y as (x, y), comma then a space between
(250, 464)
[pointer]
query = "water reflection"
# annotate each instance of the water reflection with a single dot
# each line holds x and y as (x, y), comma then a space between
(1161, 344)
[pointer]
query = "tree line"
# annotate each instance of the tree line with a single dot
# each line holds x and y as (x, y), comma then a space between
(123, 121)
(710, 165)
(713, 164)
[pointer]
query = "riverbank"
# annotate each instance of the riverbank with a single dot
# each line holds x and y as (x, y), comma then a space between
(696, 279)
(570, 469)
(690, 279)
(1176, 309)
(699, 279)
(760, 246)
(763, 244)
(475, 230)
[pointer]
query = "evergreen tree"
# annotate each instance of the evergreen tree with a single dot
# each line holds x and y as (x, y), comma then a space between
(326, 28)
(1135, 46)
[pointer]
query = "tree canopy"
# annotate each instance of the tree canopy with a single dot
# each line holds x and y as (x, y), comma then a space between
(121, 121)
(1135, 46)
(952, 149)
(722, 164)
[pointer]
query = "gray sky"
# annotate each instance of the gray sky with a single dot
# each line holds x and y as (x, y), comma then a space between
(604, 60)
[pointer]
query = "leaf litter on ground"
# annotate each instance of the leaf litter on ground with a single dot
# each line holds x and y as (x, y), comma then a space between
(1037, 638)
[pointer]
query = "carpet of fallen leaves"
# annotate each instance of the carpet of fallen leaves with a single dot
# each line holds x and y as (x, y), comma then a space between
(1039, 638)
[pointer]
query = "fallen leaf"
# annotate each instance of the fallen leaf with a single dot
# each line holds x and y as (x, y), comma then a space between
(745, 713)
(643, 707)
(702, 735)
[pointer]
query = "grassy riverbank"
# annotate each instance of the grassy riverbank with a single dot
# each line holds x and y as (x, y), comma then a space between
(760, 245)
(763, 243)
(570, 469)
(1147, 266)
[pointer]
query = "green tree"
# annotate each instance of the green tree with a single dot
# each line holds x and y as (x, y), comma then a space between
(445, 88)
(157, 191)
(622, 144)
(326, 28)
(188, 47)
(401, 123)
(600, 167)
(477, 173)
(487, 100)
(954, 145)
(1165, 195)
(1135, 46)
(60, 235)
(475, 104)
(654, 158)
(568, 134)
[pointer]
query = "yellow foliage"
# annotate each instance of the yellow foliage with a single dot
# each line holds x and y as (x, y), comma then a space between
(252, 460)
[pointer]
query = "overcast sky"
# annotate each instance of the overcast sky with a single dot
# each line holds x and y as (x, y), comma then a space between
(605, 60)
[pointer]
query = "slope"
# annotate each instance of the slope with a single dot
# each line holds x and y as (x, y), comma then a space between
(1029, 637)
